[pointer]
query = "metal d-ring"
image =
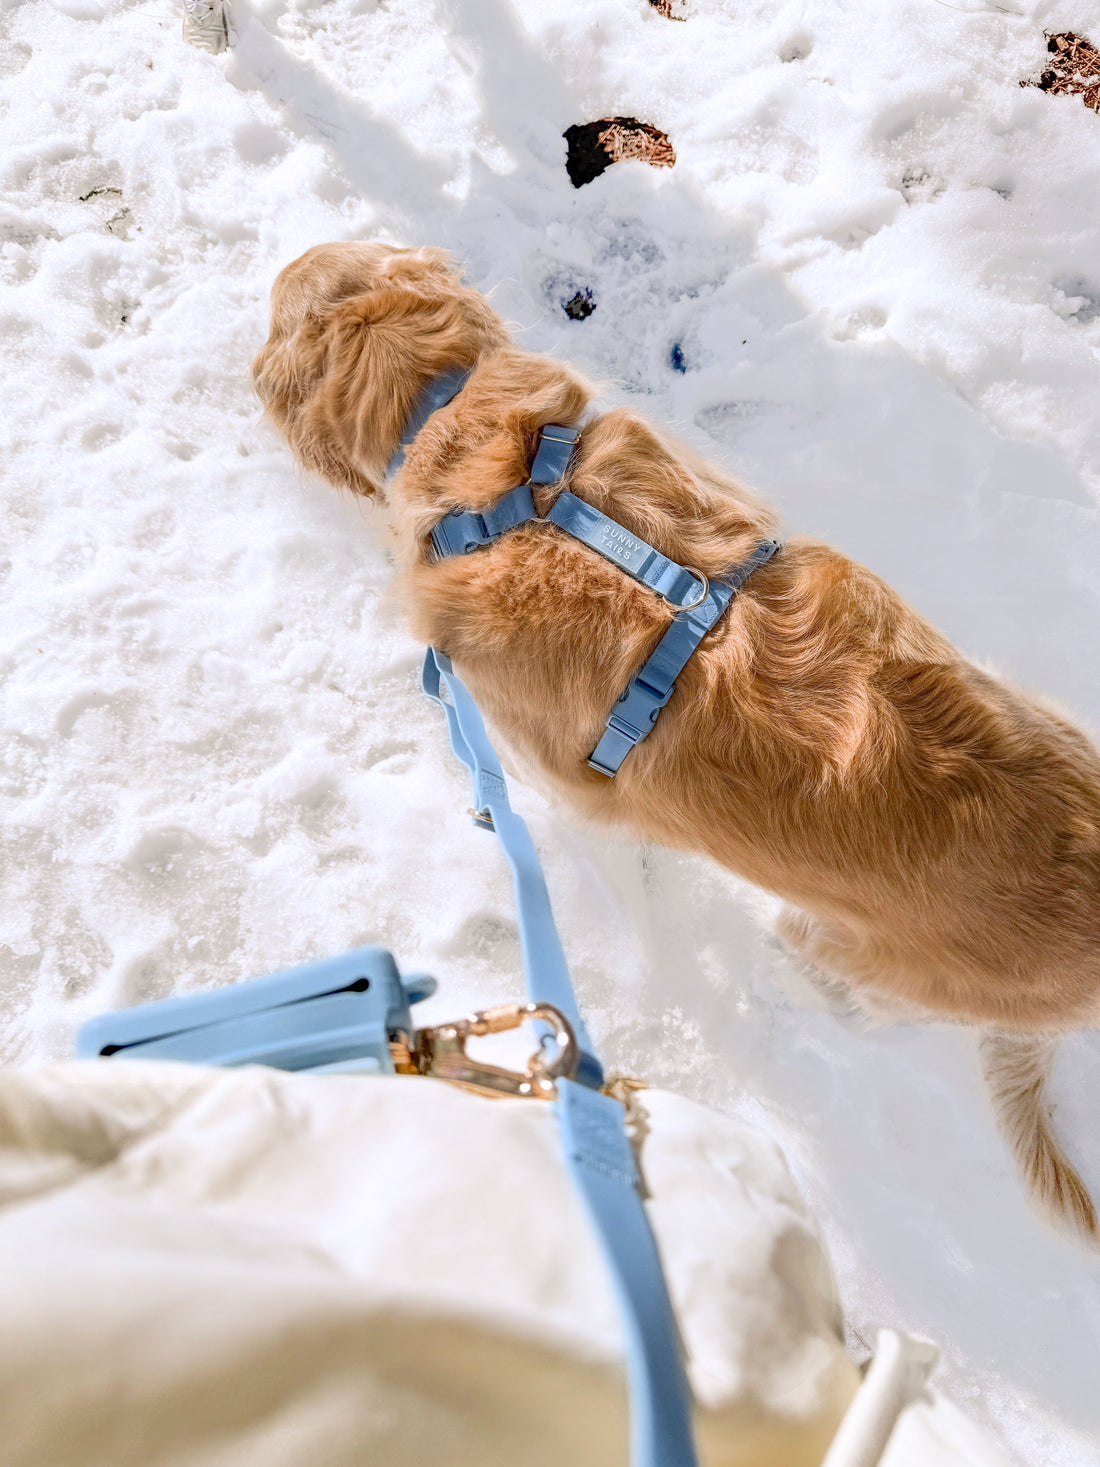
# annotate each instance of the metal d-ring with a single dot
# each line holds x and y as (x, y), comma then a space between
(691, 605)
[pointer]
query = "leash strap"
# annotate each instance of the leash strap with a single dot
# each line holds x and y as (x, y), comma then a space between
(439, 392)
(597, 1151)
(543, 959)
(649, 690)
(601, 1165)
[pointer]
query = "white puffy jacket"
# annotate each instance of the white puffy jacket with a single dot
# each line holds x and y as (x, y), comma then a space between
(246, 1268)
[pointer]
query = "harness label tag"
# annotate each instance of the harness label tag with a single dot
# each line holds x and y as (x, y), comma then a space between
(621, 546)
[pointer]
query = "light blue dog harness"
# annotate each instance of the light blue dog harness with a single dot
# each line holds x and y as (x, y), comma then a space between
(699, 603)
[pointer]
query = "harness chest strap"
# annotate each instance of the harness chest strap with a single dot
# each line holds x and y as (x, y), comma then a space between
(437, 394)
(650, 689)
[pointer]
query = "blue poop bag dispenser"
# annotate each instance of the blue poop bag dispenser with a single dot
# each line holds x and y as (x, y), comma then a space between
(349, 1014)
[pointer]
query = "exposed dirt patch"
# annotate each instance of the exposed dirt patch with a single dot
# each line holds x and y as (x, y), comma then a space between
(594, 146)
(1075, 70)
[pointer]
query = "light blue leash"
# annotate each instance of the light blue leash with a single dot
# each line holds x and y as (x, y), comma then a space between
(597, 1150)
(349, 1012)
(543, 959)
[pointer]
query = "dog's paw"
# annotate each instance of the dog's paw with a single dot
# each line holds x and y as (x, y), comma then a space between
(806, 986)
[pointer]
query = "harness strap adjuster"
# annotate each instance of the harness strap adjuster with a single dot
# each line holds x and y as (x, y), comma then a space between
(458, 533)
(624, 727)
(556, 445)
(464, 530)
(641, 706)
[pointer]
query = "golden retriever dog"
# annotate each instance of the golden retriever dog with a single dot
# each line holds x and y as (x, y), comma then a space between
(934, 834)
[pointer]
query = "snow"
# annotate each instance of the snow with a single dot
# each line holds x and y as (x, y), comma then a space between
(879, 256)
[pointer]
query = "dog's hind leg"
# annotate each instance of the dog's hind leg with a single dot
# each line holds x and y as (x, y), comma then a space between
(1016, 1069)
(803, 978)
(837, 966)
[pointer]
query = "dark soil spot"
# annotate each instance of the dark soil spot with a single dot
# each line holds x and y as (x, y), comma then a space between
(668, 8)
(580, 307)
(594, 146)
(1075, 71)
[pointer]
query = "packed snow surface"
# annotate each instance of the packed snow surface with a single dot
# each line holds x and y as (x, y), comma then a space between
(870, 286)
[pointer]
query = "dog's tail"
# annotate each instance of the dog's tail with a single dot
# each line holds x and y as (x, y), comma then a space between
(1016, 1068)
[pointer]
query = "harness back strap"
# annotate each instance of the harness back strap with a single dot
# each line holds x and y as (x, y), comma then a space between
(597, 1152)
(673, 582)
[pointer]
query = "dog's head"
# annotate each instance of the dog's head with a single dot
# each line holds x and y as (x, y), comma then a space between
(357, 330)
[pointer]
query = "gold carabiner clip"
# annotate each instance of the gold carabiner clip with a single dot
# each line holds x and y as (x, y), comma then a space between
(441, 1051)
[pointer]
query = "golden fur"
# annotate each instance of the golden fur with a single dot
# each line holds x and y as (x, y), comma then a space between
(935, 834)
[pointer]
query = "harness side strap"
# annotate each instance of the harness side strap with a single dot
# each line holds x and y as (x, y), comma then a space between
(464, 530)
(544, 964)
(649, 690)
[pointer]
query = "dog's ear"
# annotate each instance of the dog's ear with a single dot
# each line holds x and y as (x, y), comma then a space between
(377, 348)
(383, 344)
(354, 338)
(285, 368)
(340, 386)
(320, 442)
